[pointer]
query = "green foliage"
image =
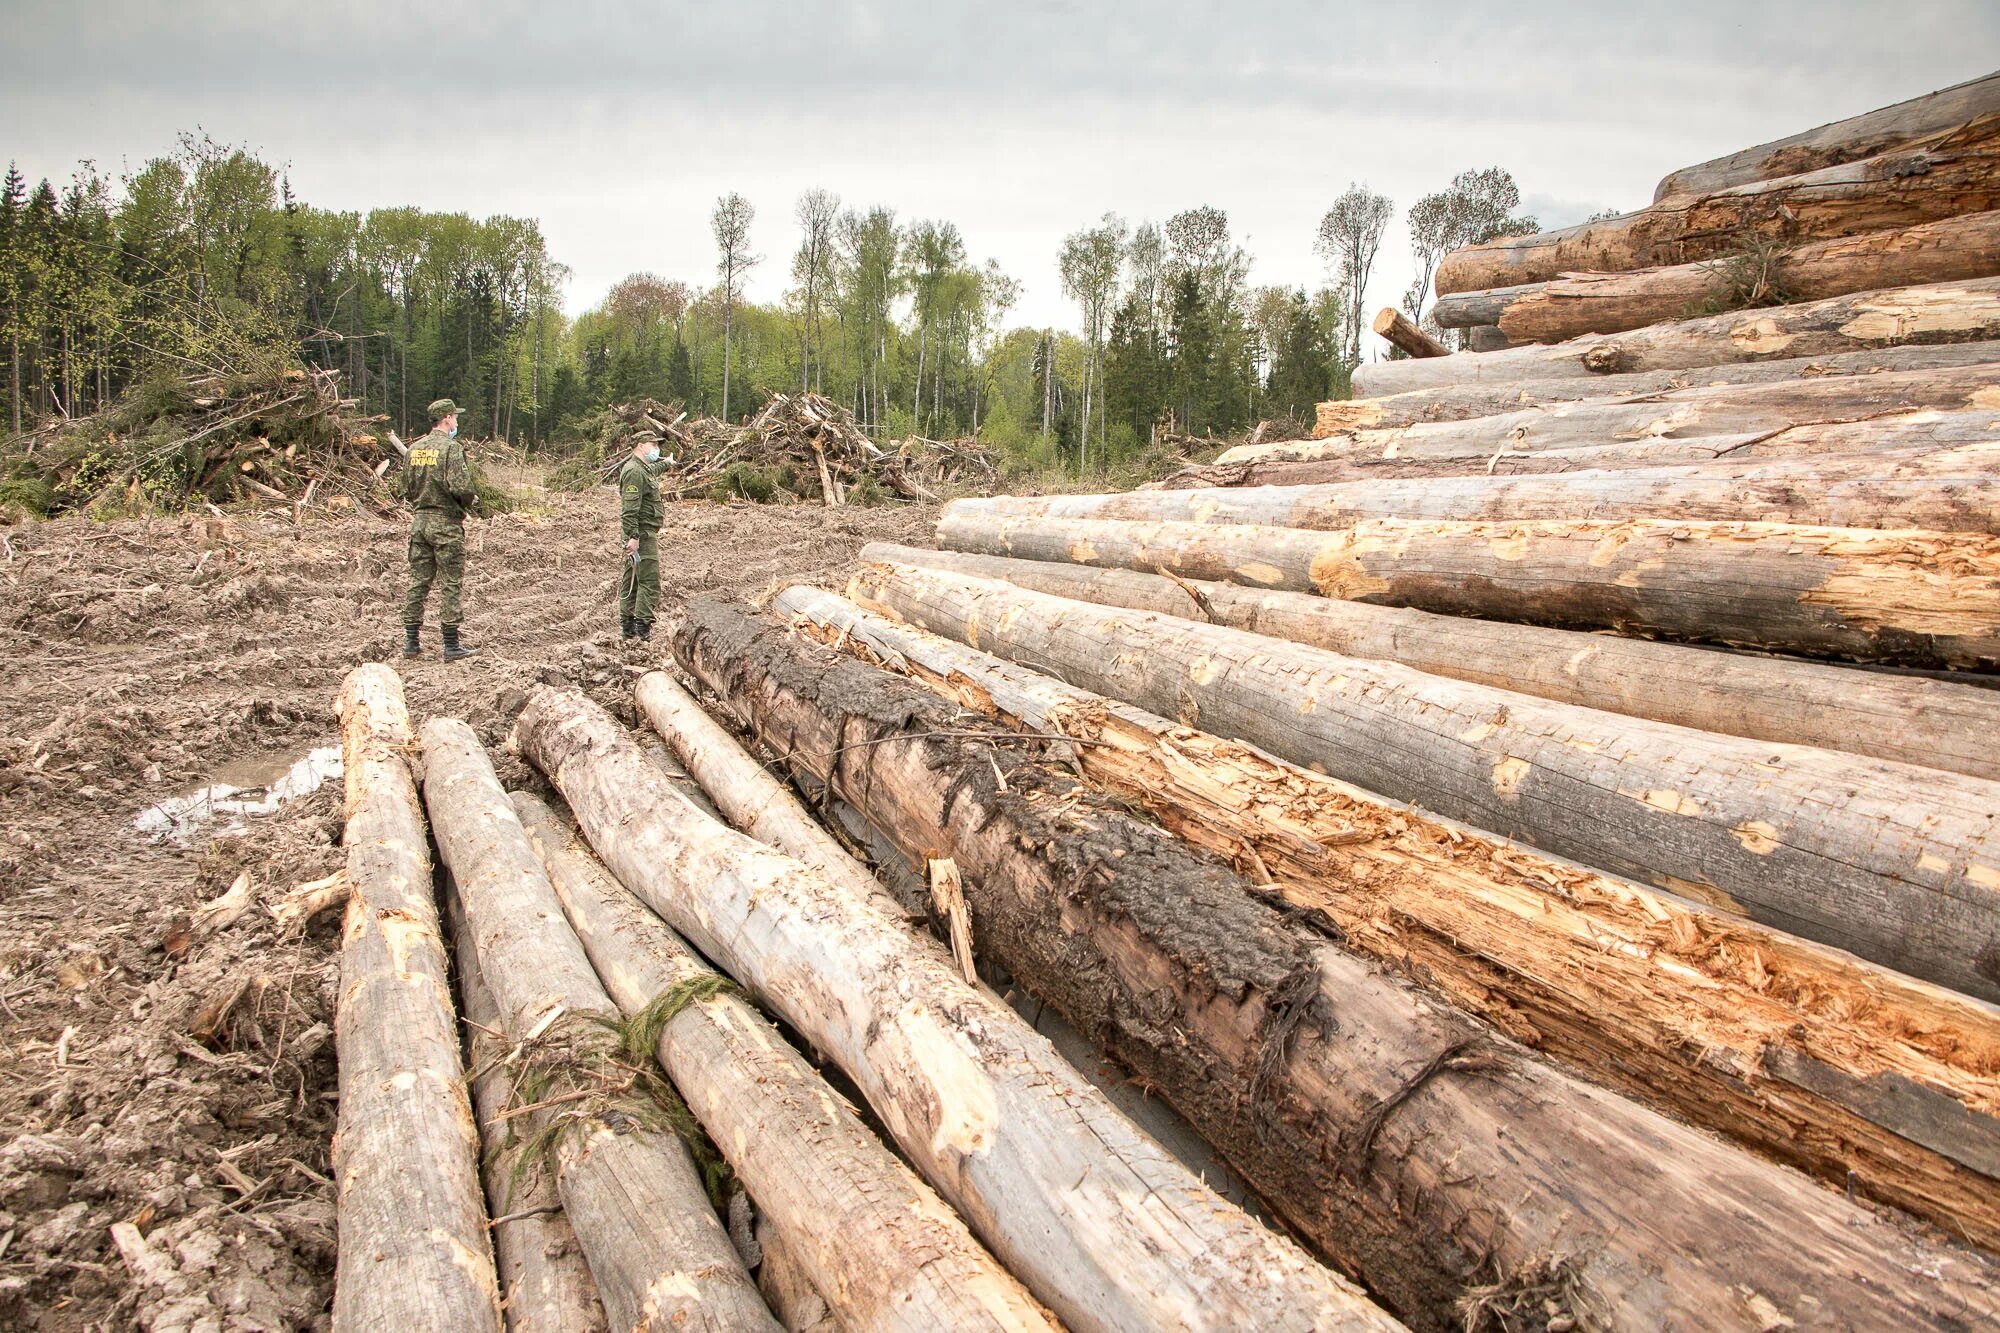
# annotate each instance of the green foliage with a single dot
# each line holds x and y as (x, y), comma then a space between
(745, 481)
(493, 497)
(26, 495)
(1747, 278)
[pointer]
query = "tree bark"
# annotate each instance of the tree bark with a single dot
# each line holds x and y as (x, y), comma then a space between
(1395, 327)
(1907, 719)
(1954, 312)
(413, 1247)
(1944, 175)
(1914, 598)
(659, 1254)
(1486, 338)
(1457, 402)
(1579, 303)
(1343, 1095)
(1098, 1221)
(545, 1283)
(1946, 492)
(1867, 135)
(1895, 863)
(1732, 409)
(877, 1244)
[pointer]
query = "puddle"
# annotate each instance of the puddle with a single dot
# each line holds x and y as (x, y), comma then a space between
(241, 791)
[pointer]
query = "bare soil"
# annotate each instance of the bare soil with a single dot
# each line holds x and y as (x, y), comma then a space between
(181, 1078)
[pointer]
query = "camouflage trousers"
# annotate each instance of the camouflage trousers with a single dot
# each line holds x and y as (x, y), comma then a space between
(437, 555)
(639, 585)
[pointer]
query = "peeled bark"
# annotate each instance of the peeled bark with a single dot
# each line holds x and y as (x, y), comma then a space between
(1954, 312)
(1394, 327)
(877, 1244)
(1914, 598)
(1098, 1221)
(632, 1193)
(1949, 492)
(413, 1247)
(1879, 131)
(1930, 723)
(1344, 1096)
(1579, 303)
(1457, 402)
(1954, 172)
(1733, 410)
(1814, 1057)
(545, 1283)
(1895, 863)
(749, 797)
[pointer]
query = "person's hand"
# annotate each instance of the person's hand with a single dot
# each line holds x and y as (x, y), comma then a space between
(631, 546)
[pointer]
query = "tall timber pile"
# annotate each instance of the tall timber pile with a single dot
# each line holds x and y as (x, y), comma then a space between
(1540, 835)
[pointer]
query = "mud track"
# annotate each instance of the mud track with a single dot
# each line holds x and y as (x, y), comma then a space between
(182, 1079)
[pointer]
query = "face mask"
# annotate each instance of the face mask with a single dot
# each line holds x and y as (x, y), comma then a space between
(453, 432)
(650, 454)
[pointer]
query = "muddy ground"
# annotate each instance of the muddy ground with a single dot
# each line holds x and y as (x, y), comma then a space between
(159, 1067)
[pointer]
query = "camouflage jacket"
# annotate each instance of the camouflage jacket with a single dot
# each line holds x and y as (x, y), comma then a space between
(640, 508)
(437, 477)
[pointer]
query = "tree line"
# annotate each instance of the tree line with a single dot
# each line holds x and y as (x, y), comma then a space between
(204, 262)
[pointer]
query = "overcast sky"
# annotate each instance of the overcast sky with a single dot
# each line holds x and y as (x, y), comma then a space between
(617, 124)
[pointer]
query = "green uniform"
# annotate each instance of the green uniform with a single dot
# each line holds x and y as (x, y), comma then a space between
(437, 483)
(640, 513)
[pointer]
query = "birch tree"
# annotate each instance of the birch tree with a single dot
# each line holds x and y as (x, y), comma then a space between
(1350, 235)
(731, 222)
(1089, 264)
(818, 212)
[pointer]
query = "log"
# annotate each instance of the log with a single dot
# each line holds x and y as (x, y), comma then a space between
(1096, 1220)
(1742, 410)
(1911, 597)
(879, 1246)
(1486, 338)
(1867, 135)
(633, 1194)
(1395, 327)
(1580, 303)
(1895, 863)
(413, 1248)
(1456, 402)
(751, 799)
(1721, 1021)
(1281, 1047)
(1953, 312)
(1911, 720)
(545, 1282)
(1955, 491)
(1944, 175)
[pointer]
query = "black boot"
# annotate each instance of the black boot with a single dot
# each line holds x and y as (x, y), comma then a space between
(412, 647)
(453, 649)
(627, 628)
(642, 629)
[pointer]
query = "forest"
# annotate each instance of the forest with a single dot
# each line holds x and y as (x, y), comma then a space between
(204, 261)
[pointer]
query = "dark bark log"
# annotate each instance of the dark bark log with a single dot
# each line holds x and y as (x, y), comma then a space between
(1955, 312)
(1867, 135)
(1486, 338)
(413, 1245)
(1348, 1098)
(1907, 719)
(1095, 1219)
(1898, 864)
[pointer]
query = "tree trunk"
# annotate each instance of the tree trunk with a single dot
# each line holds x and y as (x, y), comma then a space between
(1346, 1097)
(1945, 175)
(1926, 599)
(1907, 719)
(1941, 313)
(1732, 409)
(751, 799)
(1892, 862)
(655, 1246)
(1486, 338)
(545, 1282)
(1457, 402)
(1095, 1219)
(1395, 327)
(1952, 491)
(881, 1248)
(1867, 135)
(1579, 303)
(413, 1247)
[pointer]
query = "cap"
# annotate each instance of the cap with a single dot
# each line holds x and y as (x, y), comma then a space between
(443, 408)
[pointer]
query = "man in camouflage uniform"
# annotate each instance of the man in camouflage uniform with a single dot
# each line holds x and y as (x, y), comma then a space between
(437, 484)
(640, 513)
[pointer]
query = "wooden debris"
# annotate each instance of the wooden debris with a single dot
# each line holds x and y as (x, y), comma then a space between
(1394, 327)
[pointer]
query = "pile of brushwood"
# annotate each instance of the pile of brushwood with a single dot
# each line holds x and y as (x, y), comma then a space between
(281, 432)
